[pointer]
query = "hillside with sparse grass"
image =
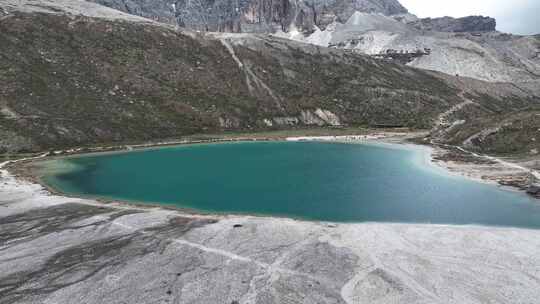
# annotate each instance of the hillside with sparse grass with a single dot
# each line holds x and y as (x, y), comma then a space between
(76, 80)
(70, 79)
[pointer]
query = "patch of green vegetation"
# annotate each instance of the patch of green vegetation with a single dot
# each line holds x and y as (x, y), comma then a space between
(516, 133)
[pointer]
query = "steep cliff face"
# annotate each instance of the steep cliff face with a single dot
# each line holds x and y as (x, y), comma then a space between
(456, 25)
(259, 16)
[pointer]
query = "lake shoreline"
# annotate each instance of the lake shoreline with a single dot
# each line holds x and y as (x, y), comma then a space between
(29, 169)
(122, 245)
(25, 171)
(176, 248)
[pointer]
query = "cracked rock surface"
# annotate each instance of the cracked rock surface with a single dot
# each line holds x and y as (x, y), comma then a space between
(64, 250)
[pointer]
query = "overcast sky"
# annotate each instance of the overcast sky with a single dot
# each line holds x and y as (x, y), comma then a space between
(513, 16)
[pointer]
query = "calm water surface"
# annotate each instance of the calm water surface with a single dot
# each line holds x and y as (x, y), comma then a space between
(318, 181)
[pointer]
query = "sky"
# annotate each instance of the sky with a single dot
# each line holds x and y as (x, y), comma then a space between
(513, 16)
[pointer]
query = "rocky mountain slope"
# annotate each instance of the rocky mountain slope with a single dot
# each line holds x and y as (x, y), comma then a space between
(161, 10)
(516, 133)
(261, 16)
(77, 73)
(69, 7)
(490, 56)
(488, 122)
(467, 46)
(71, 80)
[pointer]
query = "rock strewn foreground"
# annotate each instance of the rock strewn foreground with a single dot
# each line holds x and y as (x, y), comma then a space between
(61, 250)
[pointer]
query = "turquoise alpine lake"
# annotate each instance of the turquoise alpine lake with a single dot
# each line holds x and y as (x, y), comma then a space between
(325, 181)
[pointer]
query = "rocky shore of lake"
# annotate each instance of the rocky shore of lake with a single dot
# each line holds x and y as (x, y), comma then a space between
(56, 249)
(515, 173)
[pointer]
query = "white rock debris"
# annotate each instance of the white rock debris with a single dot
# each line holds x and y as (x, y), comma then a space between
(490, 56)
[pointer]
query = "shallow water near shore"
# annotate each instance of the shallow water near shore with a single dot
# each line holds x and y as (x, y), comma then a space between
(331, 181)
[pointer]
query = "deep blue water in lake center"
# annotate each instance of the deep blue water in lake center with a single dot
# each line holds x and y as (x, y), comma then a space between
(311, 180)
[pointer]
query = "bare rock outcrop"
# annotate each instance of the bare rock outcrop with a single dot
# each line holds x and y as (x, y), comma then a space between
(456, 25)
(259, 16)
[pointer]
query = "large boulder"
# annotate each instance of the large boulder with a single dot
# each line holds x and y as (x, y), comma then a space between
(534, 190)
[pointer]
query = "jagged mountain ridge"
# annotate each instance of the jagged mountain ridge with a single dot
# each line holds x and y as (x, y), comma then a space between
(259, 16)
(268, 16)
(467, 46)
